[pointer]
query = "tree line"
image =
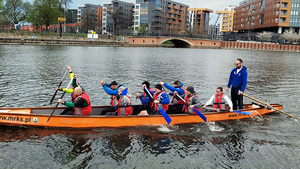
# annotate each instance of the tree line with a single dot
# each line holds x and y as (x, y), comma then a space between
(38, 13)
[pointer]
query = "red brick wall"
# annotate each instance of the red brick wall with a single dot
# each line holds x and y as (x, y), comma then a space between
(156, 41)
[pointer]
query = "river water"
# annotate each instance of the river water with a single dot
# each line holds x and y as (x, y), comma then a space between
(29, 75)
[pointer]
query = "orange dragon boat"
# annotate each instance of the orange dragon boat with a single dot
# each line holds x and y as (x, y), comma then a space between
(39, 116)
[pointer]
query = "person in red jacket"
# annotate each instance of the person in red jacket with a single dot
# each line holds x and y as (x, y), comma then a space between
(81, 106)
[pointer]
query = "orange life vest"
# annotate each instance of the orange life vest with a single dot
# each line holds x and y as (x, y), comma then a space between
(128, 109)
(219, 102)
(185, 108)
(156, 97)
(84, 110)
(179, 101)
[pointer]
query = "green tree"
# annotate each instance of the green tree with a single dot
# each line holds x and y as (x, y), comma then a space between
(1, 5)
(45, 12)
(3, 20)
(15, 10)
(143, 30)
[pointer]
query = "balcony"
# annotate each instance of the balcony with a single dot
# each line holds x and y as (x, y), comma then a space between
(284, 5)
(283, 12)
(282, 20)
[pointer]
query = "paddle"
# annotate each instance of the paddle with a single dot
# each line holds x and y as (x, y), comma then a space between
(162, 111)
(266, 104)
(218, 110)
(58, 87)
(198, 112)
(124, 92)
(60, 98)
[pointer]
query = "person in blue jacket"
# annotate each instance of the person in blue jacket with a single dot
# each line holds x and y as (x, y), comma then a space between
(238, 81)
(176, 103)
(161, 99)
(145, 98)
(111, 89)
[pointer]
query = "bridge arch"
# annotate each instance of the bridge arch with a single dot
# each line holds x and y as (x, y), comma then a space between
(179, 43)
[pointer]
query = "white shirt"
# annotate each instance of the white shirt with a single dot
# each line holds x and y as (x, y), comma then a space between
(226, 98)
(238, 70)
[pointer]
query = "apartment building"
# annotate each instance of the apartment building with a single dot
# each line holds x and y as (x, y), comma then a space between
(92, 12)
(276, 16)
(159, 17)
(176, 17)
(117, 17)
(198, 20)
(227, 17)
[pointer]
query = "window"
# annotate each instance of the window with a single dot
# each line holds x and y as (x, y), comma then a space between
(282, 20)
(137, 7)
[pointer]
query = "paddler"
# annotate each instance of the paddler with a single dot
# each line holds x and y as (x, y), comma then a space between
(70, 90)
(191, 101)
(219, 101)
(145, 98)
(82, 105)
(238, 81)
(161, 99)
(121, 105)
(176, 104)
(111, 89)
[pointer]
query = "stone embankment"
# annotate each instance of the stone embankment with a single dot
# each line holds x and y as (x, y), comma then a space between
(65, 40)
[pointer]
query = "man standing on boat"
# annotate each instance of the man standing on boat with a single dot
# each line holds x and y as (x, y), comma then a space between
(111, 89)
(219, 101)
(176, 103)
(82, 105)
(145, 98)
(161, 99)
(238, 81)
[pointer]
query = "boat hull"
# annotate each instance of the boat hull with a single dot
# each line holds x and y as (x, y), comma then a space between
(34, 117)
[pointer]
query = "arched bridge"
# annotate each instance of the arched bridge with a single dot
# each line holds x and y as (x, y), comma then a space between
(177, 41)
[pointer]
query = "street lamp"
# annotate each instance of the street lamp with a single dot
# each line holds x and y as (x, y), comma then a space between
(108, 31)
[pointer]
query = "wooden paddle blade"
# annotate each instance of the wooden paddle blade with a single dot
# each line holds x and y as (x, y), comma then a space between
(166, 116)
(200, 114)
(241, 112)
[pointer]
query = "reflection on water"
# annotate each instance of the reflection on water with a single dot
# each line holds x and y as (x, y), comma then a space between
(29, 75)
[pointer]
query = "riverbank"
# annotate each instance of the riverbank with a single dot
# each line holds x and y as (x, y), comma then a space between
(57, 41)
(123, 41)
(18, 39)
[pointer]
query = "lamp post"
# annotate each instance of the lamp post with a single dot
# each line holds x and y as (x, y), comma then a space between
(108, 31)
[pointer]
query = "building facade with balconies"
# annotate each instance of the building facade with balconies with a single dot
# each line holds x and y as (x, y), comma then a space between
(91, 12)
(159, 17)
(198, 19)
(176, 17)
(276, 16)
(117, 17)
(227, 17)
